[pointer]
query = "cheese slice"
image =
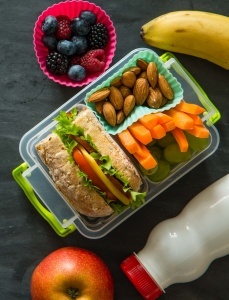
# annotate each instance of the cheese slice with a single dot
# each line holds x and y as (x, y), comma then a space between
(103, 177)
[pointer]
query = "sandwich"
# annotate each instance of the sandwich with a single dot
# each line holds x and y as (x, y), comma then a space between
(88, 167)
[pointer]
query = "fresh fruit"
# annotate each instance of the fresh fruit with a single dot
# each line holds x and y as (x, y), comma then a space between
(163, 170)
(81, 44)
(88, 15)
(72, 273)
(98, 37)
(80, 26)
(66, 47)
(76, 73)
(75, 60)
(63, 29)
(70, 37)
(150, 137)
(94, 60)
(57, 63)
(49, 41)
(49, 25)
(173, 154)
(196, 143)
(189, 32)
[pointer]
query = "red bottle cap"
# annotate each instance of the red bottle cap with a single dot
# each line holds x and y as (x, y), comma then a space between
(139, 277)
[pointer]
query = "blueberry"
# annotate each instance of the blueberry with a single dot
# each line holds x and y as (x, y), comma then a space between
(49, 25)
(77, 73)
(66, 47)
(89, 16)
(49, 41)
(81, 44)
(80, 26)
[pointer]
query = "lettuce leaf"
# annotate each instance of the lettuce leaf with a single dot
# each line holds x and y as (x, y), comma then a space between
(65, 129)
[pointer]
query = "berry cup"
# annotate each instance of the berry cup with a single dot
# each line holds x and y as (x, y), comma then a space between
(72, 9)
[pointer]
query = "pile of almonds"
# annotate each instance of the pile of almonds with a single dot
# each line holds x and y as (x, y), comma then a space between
(138, 85)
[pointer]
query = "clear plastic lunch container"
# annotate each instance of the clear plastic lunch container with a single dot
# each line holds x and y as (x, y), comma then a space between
(34, 179)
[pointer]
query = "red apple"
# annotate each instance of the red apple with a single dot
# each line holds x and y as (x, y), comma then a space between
(72, 273)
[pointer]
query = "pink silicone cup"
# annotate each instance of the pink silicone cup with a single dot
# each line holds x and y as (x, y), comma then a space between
(72, 9)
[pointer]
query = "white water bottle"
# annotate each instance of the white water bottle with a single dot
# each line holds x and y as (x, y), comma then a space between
(181, 249)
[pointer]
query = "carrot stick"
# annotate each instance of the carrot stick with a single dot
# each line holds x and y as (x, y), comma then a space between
(199, 131)
(128, 141)
(157, 132)
(140, 132)
(168, 126)
(163, 118)
(147, 160)
(196, 119)
(180, 139)
(181, 119)
(149, 120)
(190, 108)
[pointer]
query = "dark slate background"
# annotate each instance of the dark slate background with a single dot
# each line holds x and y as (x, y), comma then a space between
(27, 96)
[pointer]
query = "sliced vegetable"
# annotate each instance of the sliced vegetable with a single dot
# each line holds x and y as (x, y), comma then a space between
(140, 132)
(163, 118)
(158, 131)
(149, 121)
(146, 159)
(168, 126)
(190, 108)
(199, 131)
(128, 141)
(103, 177)
(180, 139)
(196, 119)
(88, 170)
(181, 119)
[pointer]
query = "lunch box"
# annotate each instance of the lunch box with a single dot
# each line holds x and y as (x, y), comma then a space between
(34, 179)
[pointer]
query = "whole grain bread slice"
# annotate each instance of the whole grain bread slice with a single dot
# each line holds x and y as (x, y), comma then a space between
(107, 146)
(65, 176)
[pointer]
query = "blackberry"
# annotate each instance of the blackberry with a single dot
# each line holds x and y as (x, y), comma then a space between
(98, 36)
(57, 63)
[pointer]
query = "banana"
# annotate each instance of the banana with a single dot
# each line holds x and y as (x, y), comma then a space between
(197, 33)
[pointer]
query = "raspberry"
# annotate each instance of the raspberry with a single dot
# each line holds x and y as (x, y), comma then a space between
(93, 60)
(63, 28)
(75, 60)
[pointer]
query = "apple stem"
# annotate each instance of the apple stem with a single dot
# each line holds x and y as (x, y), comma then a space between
(73, 293)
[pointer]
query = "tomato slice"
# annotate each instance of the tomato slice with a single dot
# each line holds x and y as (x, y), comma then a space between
(87, 169)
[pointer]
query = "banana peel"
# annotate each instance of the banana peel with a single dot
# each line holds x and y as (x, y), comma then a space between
(197, 33)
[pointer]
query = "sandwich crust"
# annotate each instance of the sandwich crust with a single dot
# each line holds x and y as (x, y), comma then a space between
(107, 146)
(65, 176)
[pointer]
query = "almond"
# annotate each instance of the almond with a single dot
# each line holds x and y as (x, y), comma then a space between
(135, 69)
(141, 90)
(129, 104)
(152, 74)
(120, 117)
(116, 98)
(116, 81)
(99, 95)
(142, 64)
(143, 74)
(109, 113)
(165, 87)
(128, 79)
(125, 91)
(99, 106)
(154, 98)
